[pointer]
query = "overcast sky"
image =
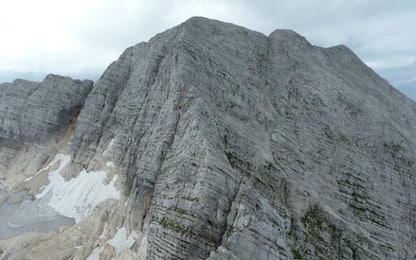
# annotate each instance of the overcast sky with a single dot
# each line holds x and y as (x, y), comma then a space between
(80, 38)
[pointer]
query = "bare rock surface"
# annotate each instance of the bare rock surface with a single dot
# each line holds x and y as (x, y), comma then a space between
(230, 144)
(32, 111)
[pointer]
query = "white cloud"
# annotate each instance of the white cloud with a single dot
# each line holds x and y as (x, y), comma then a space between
(413, 79)
(391, 61)
(81, 37)
(66, 36)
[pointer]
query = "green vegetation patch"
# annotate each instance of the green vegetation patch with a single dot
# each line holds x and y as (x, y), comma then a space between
(238, 163)
(296, 254)
(314, 218)
(168, 224)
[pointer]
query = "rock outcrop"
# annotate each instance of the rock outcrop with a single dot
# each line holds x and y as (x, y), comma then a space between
(231, 144)
(31, 111)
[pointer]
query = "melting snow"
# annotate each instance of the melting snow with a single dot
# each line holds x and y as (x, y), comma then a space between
(109, 164)
(29, 178)
(120, 241)
(77, 197)
(95, 254)
(58, 158)
(104, 232)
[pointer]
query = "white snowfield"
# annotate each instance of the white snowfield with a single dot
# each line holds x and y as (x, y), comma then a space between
(95, 254)
(121, 241)
(109, 164)
(77, 197)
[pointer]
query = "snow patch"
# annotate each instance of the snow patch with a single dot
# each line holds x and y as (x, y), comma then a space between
(109, 164)
(121, 241)
(29, 178)
(95, 254)
(104, 232)
(77, 197)
(63, 159)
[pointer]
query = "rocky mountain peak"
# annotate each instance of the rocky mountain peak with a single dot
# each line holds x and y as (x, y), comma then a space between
(289, 38)
(224, 143)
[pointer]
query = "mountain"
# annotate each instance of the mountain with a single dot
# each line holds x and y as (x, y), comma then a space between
(212, 141)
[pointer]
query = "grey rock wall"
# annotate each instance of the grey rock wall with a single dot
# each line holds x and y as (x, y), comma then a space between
(32, 111)
(239, 145)
(236, 145)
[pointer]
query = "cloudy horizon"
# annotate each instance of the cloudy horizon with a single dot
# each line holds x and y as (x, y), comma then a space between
(80, 38)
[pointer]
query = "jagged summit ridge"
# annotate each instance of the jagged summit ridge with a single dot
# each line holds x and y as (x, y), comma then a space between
(235, 145)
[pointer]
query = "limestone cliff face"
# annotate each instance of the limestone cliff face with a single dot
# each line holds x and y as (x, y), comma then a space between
(235, 145)
(32, 111)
